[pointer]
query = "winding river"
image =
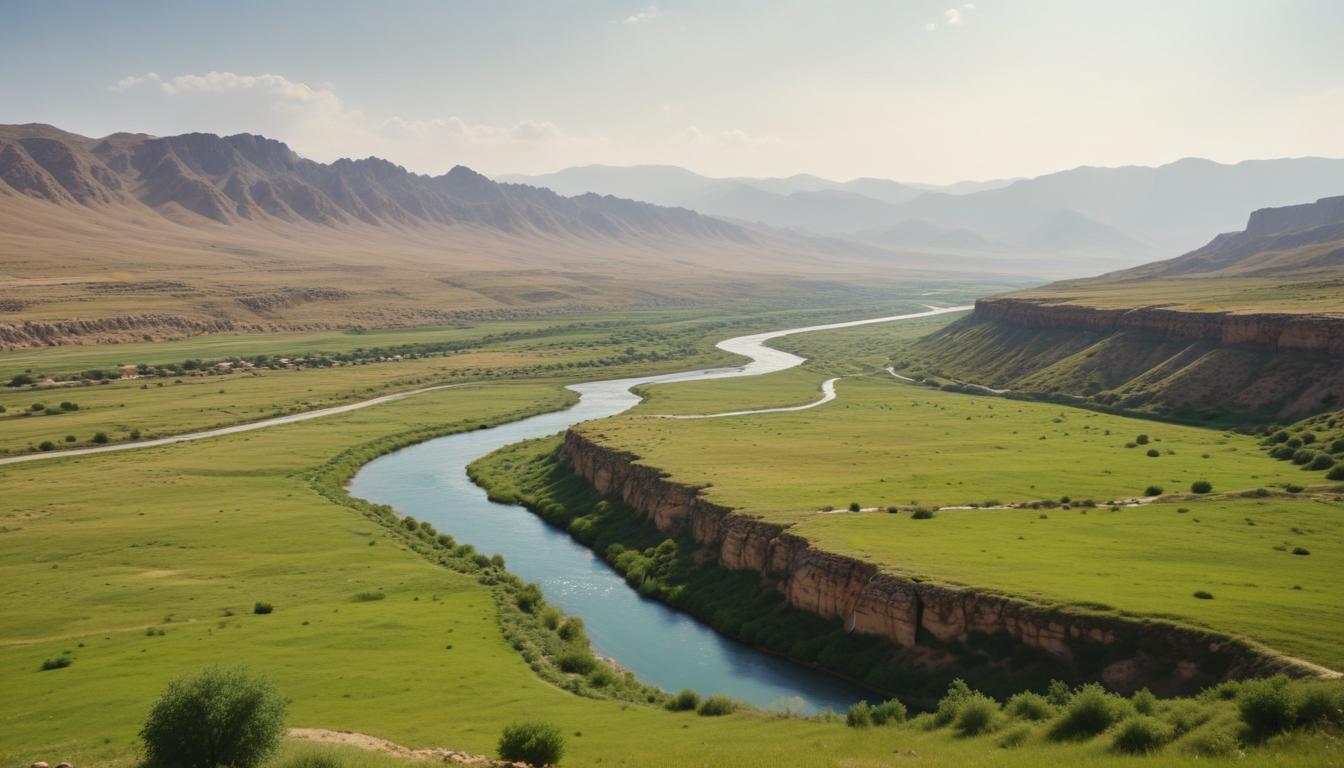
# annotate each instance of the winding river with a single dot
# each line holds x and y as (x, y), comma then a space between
(660, 645)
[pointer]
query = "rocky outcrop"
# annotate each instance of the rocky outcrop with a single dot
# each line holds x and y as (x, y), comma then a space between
(1282, 331)
(910, 613)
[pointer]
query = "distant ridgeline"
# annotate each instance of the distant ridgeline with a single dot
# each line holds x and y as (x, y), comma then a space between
(1249, 328)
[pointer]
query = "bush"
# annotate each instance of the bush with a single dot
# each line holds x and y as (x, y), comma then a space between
(922, 514)
(21, 380)
(60, 662)
(976, 715)
(685, 701)
(1303, 551)
(216, 717)
(854, 506)
(1144, 702)
(889, 711)
(1337, 473)
(1265, 706)
(70, 438)
(1322, 461)
(1141, 440)
(860, 715)
(100, 438)
(47, 445)
(1203, 595)
(368, 597)
(1201, 486)
(1015, 737)
(601, 676)
(1212, 743)
(950, 705)
(1029, 706)
(717, 705)
(1141, 735)
(262, 608)
(577, 662)
(1303, 456)
(1154, 453)
(1318, 705)
(1090, 711)
(1153, 490)
(532, 743)
(66, 405)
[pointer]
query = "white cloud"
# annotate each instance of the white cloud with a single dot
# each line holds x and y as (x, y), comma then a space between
(931, 26)
(644, 16)
(953, 17)
(733, 137)
(131, 81)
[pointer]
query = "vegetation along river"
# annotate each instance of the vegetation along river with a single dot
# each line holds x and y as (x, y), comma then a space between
(660, 645)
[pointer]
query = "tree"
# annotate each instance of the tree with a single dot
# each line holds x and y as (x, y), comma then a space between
(1201, 486)
(100, 437)
(532, 743)
(21, 380)
(220, 716)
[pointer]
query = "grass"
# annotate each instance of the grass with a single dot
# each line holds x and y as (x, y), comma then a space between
(882, 442)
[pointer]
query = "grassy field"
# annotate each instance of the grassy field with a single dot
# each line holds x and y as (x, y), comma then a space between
(202, 531)
(884, 442)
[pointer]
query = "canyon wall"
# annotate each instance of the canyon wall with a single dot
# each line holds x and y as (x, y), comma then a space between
(910, 613)
(1281, 331)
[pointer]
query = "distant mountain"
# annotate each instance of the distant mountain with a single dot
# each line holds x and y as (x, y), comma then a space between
(919, 233)
(1174, 207)
(1069, 230)
(248, 178)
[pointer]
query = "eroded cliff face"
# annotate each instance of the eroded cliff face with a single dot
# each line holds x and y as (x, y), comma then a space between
(910, 614)
(1304, 333)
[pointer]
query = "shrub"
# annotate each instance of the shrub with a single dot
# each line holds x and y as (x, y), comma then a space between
(1154, 453)
(572, 630)
(532, 743)
(854, 506)
(1337, 446)
(1303, 551)
(1029, 706)
(66, 405)
(1201, 486)
(100, 438)
(21, 380)
(1265, 706)
(60, 662)
(1141, 735)
(70, 438)
(1091, 711)
(1303, 456)
(950, 705)
(577, 662)
(1058, 693)
(1212, 743)
(1141, 440)
(262, 608)
(685, 701)
(217, 717)
(368, 597)
(889, 711)
(1322, 461)
(47, 445)
(922, 514)
(1337, 473)
(1318, 705)
(601, 676)
(860, 715)
(1153, 490)
(1015, 737)
(976, 715)
(717, 705)
(1203, 595)
(1144, 701)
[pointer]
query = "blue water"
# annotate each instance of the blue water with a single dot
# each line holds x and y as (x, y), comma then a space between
(660, 645)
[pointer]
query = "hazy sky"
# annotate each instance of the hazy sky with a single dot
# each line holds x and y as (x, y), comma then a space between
(905, 89)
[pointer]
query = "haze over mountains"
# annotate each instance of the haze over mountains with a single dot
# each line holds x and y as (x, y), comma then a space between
(1124, 215)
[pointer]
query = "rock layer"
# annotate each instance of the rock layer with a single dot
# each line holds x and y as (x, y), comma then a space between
(910, 613)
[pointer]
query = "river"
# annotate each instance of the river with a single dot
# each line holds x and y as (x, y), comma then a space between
(660, 645)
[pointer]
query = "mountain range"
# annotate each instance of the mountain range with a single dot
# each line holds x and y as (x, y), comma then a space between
(1124, 215)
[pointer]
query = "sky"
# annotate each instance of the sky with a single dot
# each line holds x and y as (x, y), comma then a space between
(913, 90)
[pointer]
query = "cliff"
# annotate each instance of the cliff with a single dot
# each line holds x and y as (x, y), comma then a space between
(1281, 331)
(915, 615)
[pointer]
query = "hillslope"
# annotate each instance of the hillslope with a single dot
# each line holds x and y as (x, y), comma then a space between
(1249, 327)
(132, 236)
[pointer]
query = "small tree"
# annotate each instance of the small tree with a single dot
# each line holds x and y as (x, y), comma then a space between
(21, 380)
(1201, 486)
(217, 717)
(1141, 439)
(532, 743)
(100, 438)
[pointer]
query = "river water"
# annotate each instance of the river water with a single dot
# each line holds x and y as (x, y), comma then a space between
(660, 645)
